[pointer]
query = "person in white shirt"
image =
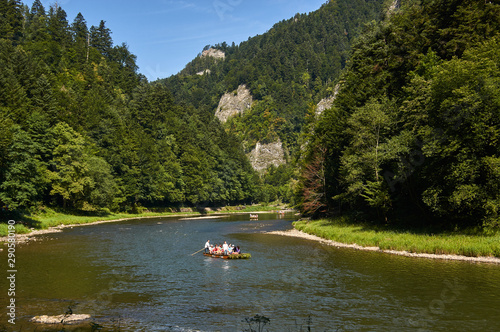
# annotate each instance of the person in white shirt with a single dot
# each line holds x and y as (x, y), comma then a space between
(207, 246)
(225, 247)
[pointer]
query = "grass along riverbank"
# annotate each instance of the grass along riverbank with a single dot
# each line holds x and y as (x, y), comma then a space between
(446, 243)
(49, 218)
(52, 219)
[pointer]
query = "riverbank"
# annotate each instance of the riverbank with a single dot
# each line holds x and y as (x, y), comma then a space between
(86, 221)
(474, 248)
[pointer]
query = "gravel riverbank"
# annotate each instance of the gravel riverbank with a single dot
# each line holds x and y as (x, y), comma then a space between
(300, 234)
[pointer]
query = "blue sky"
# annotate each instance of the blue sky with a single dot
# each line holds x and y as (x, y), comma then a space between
(167, 34)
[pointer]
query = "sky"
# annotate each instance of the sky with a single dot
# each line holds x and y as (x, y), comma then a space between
(165, 35)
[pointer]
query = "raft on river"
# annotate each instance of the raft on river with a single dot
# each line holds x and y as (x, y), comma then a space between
(232, 256)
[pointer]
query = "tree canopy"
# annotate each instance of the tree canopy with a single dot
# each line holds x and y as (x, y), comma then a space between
(286, 69)
(419, 108)
(82, 129)
(413, 129)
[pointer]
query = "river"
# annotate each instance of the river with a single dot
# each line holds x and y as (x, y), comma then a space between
(139, 275)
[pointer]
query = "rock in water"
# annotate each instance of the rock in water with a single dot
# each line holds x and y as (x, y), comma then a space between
(66, 319)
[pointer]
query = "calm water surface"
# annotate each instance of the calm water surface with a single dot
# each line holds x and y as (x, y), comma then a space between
(140, 276)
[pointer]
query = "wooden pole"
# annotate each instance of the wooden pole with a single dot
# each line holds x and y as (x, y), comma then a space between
(197, 251)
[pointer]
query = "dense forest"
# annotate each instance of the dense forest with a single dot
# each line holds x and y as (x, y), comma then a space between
(82, 129)
(286, 69)
(415, 128)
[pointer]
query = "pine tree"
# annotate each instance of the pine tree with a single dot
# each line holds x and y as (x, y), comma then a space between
(6, 126)
(79, 28)
(11, 20)
(100, 38)
(13, 97)
(37, 9)
(58, 26)
(81, 39)
(43, 98)
(36, 26)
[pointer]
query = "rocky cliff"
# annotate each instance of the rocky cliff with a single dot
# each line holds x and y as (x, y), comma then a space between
(238, 102)
(231, 104)
(218, 54)
(324, 104)
(265, 155)
(396, 4)
(327, 102)
(206, 71)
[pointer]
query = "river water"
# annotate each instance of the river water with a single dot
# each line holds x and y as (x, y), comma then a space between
(139, 275)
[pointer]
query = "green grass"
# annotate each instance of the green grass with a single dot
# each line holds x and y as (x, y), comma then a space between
(20, 229)
(240, 256)
(50, 218)
(252, 208)
(455, 243)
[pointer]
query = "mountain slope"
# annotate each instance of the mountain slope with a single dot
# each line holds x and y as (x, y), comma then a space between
(414, 130)
(286, 69)
(81, 129)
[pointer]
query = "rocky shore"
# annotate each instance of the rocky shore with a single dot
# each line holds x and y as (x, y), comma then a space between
(300, 234)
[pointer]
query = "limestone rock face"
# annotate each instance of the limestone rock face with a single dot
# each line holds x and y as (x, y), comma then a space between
(324, 104)
(232, 104)
(396, 4)
(218, 54)
(206, 71)
(265, 155)
(327, 102)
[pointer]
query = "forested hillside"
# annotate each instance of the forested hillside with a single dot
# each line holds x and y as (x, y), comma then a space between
(415, 128)
(81, 129)
(286, 69)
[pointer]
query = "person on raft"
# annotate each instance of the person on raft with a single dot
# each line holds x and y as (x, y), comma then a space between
(223, 249)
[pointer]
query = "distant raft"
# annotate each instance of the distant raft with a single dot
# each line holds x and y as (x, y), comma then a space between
(232, 256)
